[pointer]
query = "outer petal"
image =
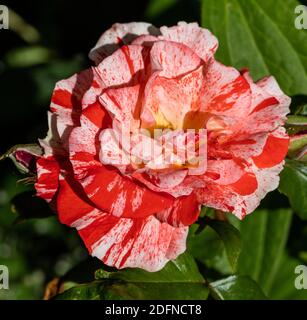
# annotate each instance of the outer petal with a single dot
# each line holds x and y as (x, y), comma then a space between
(225, 171)
(243, 196)
(72, 97)
(200, 40)
(47, 177)
(173, 59)
(135, 243)
(85, 138)
(66, 100)
(270, 85)
(225, 92)
(184, 212)
(245, 146)
(118, 35)
(56, 141)
(109, 191)
(274, 151)
(121, 242)
(247, 138)
(125, 67)
(268, 110)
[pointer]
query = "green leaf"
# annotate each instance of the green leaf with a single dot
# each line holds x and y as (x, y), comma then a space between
(179, 279)
(302, 109)
(296, 121)
(236, 288)
(302, 155)
(205, 245)
(293, 183)
(208, 248)
(260, 35)
(231, 240)
(277, 229)
(296, 124)
(297, 143)
(253, 229)
(216, 244)
(264, 234)
(28, 206)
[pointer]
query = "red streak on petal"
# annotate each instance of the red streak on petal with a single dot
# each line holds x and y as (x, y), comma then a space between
(95, 84)
(96, 114)
(133, 233)
(100, 227)
(62, 98)
(266, 103)
(212, 175)
(238, 87)
(125, 50)
(246, 185)
(273, 153)
(188, 210)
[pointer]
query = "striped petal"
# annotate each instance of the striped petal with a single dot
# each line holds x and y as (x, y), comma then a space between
(119, 34)
(48, 172)
(121, 242)
(111, 192)
(200, 40)
(168, 101)
(225, 92)
(184, 211)
(66, 100)
(243, 196)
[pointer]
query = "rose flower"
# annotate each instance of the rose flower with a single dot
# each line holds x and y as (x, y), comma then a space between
(136, 213)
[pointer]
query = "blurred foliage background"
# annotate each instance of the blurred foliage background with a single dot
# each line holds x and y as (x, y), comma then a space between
(48, 41)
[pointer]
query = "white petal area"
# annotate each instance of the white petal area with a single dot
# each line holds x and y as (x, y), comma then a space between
(120, 68)
(173, 59)
(122, 104)
(117, 35)
(225, 198)
(55, 143)
(200, 40)
(142, 243)
(170, 182)
(270, 85)
(110, 151)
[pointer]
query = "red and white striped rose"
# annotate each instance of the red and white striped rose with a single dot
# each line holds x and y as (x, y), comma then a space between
(150, 78)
